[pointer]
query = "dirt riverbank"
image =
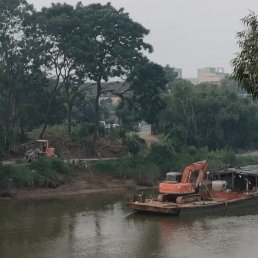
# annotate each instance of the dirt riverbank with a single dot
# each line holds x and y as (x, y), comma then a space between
(81, 183)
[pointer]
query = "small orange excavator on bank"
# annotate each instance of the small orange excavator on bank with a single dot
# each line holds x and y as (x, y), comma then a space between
(192, 176)
(42, 149)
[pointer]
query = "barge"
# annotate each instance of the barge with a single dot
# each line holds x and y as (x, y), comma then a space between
(174, 200)
(203, 205)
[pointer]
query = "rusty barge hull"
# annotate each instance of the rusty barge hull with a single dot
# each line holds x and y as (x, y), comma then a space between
(174, 209)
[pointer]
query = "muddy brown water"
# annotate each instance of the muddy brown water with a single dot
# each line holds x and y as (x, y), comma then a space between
(102, 226)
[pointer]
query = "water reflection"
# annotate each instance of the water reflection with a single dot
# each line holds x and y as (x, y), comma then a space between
(102, 226)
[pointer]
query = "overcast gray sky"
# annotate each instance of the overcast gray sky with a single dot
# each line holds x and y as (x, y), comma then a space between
(187, 34)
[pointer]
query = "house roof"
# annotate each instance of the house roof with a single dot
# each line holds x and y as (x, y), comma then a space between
(246, 170)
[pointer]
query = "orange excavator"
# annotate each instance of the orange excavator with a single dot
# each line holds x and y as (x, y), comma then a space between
(192, 176)
(42, 149)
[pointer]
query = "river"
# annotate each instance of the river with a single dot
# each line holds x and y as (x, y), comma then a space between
(102, 226)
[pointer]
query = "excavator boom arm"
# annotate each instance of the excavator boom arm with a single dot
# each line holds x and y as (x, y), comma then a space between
(200, 166)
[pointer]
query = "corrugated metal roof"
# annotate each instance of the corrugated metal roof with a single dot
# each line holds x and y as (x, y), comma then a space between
(245, 170)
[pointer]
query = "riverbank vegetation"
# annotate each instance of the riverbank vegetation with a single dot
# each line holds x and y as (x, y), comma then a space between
(163, 158)
(45, 172)
(55, 81)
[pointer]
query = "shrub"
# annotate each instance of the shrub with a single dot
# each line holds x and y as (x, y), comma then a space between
(49, 172)
(137, 168)
(246, 160)
(47, 165)
(163, 154)
(44, 172)
(115, 133)
(133, 143)
(83, 130)
(19, 176)
(59, 130)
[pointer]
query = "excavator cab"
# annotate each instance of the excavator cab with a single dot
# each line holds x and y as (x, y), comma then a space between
(173, 177)
(42, 147)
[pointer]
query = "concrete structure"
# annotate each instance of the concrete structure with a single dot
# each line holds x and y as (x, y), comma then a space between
(211, 75)
(194, 81)
(179, 73)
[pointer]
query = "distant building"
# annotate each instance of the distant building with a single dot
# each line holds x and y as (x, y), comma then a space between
(194, 81)
(179, 73)
(211, 75)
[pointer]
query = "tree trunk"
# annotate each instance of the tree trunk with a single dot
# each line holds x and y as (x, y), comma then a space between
(43, 130)
(96, 118)
(10, 118)
(47, 113)
(46, 120)
(22, 139)
(70, 107)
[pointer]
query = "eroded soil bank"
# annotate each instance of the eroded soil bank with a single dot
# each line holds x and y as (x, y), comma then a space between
(81, 183)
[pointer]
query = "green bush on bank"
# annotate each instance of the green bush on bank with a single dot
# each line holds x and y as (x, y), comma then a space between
(136, 167)
(163, 158)
(45, 172)
(133, 143)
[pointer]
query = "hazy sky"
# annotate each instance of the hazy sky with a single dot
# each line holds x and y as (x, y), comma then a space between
(187, 34)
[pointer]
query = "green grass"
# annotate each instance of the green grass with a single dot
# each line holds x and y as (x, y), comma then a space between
(136, 167)
(247, 160)
(163, 158)
(45, 172)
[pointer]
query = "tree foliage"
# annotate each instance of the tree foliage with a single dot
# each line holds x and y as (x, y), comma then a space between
(49, 58)
(170, 73)
(52, 55)
(245, 64)
(15, 59)
(110, 44)
(209, 115)
(147, 83)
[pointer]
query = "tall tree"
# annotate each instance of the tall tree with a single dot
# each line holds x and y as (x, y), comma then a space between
(245, 64)
(61, 25)
(15, 55)
(54, 46)
(147, 83)
(110, 43)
